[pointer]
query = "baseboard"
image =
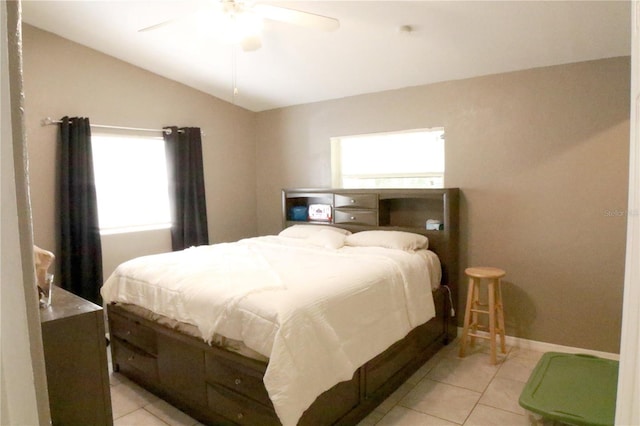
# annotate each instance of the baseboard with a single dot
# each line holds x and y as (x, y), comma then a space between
(549, 347)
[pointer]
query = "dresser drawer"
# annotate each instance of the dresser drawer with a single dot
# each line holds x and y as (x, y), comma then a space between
(128, 357)
(133, 333)
(356, 217)
(238, 409)
(363, 201)
(236, 377)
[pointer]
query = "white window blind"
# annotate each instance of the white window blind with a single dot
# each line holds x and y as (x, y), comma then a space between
(131, 183)
(408, 159)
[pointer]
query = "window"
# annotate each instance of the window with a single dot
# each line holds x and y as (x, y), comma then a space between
(409, 159)
(131, 183)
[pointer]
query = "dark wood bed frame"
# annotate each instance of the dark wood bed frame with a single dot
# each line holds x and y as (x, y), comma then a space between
(216, 386)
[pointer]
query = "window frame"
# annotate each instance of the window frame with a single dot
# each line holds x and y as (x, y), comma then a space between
(338, 178)
(131, 227)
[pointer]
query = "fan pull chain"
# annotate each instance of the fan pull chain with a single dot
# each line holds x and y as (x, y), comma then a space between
(234, 74)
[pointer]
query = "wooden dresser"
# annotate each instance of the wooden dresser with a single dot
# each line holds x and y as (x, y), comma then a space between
(76, 361)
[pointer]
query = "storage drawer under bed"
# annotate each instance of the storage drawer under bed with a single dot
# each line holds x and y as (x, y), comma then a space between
(384, 366)
(238, 408)
(237, 377)
(133, 333)
(131, 359)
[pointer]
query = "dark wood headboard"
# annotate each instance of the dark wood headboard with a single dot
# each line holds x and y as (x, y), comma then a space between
(387, 209)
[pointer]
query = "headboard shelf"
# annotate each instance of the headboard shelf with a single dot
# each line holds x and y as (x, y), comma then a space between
(385, 209)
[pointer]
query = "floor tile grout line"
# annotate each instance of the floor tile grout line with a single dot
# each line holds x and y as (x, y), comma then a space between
(425, 377)
(413, 386)
(500, 409)
(153, 414)
(502, 361)
(431, 415)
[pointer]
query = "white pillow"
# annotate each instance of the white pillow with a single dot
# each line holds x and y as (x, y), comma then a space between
(306, 231)
(327, 238)
(398, 240)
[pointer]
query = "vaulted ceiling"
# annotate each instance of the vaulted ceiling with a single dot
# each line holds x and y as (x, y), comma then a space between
(380, 45)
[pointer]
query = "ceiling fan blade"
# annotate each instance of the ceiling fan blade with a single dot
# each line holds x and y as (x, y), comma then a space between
(158, 25)
(191, 11)
(297, 17)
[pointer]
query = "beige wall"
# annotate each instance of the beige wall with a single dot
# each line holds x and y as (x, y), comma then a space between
(63, 78)
(541, 157)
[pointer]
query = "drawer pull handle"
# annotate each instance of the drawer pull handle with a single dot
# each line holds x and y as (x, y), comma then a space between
(352, 218)
(240, 416)
(352, 201)
(238, 382)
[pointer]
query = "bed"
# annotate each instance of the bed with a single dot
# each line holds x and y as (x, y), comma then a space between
(315, 325)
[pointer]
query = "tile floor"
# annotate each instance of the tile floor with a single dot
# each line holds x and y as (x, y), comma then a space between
(447, 390)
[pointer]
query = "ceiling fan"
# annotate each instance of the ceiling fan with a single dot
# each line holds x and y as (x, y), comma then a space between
(242, 20)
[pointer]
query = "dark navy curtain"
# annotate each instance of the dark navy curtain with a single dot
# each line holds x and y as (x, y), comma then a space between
(186, 187)
(80, 251)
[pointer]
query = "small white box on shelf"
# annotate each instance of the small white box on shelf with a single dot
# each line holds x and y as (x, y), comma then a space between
(320, 212)
(434, 225)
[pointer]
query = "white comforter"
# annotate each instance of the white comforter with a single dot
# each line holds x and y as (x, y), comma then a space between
(316, 313)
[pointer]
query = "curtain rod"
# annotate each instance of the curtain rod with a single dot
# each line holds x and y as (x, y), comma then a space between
(48, 121)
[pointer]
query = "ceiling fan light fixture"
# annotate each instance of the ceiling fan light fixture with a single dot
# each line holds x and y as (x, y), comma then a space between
(251, 43)
(243, 26)
(241, 22)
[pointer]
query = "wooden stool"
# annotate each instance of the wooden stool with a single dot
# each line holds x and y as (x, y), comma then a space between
(495, 309)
